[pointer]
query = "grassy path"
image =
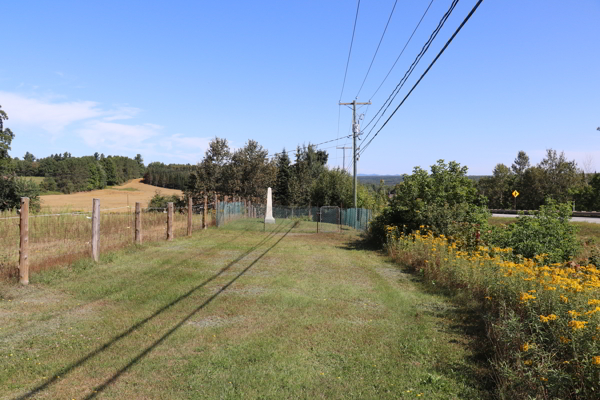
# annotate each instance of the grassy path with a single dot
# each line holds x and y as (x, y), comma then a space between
(234, 313)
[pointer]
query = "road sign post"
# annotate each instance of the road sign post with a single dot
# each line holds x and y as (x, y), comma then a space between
(515, 194)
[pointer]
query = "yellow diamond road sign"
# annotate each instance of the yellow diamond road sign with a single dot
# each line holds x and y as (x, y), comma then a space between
(515, 193)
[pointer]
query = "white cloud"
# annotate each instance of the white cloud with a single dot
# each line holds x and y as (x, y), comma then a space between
(99, 128)
(96, 133)
(49, 116)
(122, 113)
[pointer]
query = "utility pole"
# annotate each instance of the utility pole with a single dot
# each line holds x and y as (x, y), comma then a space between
(355, 133)
(344, 161)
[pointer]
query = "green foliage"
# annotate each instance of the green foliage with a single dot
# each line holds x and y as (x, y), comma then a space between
(68, 174)
(6, 137)
(281, 191)
(13, 188)
(548, 231)
(160, 201)
(446, 201)
(554, 177)
(172, 176)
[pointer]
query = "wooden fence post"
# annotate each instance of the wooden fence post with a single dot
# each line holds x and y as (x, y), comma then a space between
(24, 246)
(138, 223)
(205, 213)
(190, 210)
(95, 229)
(169, 221)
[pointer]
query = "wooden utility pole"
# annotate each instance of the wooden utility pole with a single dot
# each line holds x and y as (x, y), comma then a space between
(24, 247)
(355, 133)
(95, 229)
(138, 223)
(344, 159)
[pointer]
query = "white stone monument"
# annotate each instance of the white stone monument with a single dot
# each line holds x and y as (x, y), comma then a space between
(269, 213)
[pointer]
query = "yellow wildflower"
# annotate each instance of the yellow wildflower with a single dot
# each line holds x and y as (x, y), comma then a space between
(596, 360)
(525, 347)
(564, 340)
(526, 296)
(564, 299)
(550, 317)
(575, 325)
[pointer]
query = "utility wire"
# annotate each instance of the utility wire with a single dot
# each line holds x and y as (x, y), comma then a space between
(424, 73)
(350, 52)
(402, 52)
(376, 50)
(410, 70)
(314, 145)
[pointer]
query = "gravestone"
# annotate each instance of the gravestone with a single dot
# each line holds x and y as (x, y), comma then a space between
(269, 212)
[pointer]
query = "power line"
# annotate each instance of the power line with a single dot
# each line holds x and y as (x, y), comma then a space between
(376, 50)
(404, 48)
(350, 52)
(410, 70)
(425, 73)
(314, 145)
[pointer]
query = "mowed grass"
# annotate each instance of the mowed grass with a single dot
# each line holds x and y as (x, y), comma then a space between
(236, 313)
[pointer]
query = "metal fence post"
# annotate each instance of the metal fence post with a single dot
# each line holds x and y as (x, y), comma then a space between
(24, 245)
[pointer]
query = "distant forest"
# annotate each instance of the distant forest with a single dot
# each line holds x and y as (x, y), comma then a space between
(172, 176)
(393, 180)
(67, 174)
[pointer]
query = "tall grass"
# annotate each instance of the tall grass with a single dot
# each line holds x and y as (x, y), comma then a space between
(543, 320)
(60, 238)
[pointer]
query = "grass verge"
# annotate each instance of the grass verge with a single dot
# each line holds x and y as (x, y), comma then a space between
(236, 313)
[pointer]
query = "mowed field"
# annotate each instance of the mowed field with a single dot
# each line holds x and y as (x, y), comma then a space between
(117, 196)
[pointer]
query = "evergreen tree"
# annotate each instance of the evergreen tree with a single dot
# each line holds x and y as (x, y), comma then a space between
(284, 175)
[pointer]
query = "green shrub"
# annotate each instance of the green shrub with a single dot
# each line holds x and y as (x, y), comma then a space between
(13, 188)
(160, 201)
(547, 231)
(446, 201)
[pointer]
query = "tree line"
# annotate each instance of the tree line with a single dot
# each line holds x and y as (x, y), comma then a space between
(172, 176)
(248, 172)
(67, 174)
(554, 177)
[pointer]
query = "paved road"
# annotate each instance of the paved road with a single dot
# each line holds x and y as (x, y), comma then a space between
(574, 219)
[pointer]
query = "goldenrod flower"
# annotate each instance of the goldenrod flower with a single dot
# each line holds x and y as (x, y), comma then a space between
(550, 317)
(564, 340)
(575, 325)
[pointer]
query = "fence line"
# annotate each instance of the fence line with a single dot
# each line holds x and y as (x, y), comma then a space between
(39, 243)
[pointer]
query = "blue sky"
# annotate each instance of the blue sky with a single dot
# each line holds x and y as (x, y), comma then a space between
(162, 79)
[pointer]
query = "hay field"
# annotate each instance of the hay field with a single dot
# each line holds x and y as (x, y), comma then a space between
(116, 196)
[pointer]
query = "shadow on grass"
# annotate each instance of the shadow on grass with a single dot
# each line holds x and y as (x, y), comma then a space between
(361, 242)
(99, 389)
